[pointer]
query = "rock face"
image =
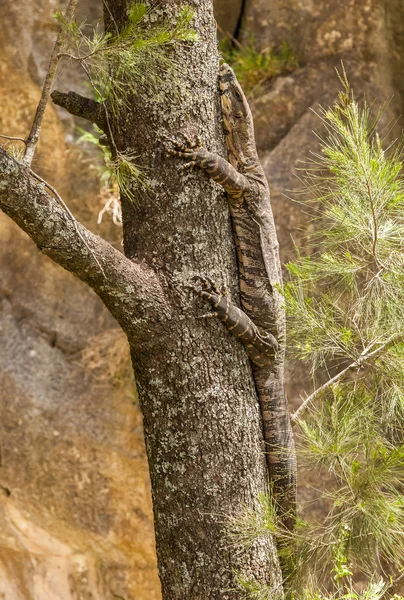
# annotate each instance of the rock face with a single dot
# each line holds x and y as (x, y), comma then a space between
(75, 508)
(366, 36)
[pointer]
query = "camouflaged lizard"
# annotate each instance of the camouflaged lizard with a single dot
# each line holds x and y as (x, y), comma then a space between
(261, 322)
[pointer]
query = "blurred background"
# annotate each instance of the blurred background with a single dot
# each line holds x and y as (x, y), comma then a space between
(75, 506)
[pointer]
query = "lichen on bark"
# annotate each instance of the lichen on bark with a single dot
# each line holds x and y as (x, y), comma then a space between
(201, 417)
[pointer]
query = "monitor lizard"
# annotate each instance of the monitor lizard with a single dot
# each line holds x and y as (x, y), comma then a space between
(261, 323)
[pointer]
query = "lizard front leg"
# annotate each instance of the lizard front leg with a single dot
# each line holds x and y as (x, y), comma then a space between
(261, 348)
(215, 166)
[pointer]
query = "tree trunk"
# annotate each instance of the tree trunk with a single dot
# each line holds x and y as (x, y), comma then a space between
(370, 41)
(201, 417)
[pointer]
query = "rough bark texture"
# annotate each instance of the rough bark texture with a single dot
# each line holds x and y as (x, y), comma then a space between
(75, 509)
(202, 426)
(201, 417)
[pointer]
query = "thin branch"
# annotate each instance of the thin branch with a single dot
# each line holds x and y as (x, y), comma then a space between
(35, 132)
(13, 139)
(366, 355)
(230, 36)
(92, 53)
(77, 58)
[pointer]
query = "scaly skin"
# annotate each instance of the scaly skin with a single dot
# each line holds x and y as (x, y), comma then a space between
(261, 348)
(260, 280)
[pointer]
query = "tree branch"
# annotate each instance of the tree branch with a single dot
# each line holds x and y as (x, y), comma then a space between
(66, 209)
(79, 106)
(363, 357)
(130, 291)
(35, 132)
(13, 139)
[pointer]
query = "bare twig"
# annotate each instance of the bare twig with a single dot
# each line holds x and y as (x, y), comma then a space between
(230, 36)
(66, 208)
(366, 355)
(35, 132)
(92, 53)
(13, 139)
(77, 58)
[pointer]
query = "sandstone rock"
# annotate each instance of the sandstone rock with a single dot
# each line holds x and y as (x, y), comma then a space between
(285, 112)
(228, 15)
(75, 506)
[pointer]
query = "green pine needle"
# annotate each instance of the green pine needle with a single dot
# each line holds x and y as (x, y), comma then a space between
(134, 61)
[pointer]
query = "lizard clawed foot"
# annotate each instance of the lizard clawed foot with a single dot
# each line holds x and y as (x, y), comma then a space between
(196, 143)
(188, 166)
(189, 149)
(205, 288)
(207, 285)
(187, 144)
(208, 315)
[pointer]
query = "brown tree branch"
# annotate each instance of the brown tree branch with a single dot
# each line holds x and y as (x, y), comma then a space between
(130, 291)
(68, 211)
(35, 132)
(79, 106)
(13, 139)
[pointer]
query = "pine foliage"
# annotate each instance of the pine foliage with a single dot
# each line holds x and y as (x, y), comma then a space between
(133, 60)
(255, 67)
(136, 60)
(345, 302)
(345, 306)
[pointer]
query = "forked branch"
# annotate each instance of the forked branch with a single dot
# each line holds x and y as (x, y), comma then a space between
(130, 291)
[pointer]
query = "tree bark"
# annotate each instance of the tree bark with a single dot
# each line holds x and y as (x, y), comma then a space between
(130, 291)
(202, 423)
(201, 417)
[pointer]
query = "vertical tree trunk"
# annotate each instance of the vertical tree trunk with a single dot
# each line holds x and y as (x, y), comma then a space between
(201, 416)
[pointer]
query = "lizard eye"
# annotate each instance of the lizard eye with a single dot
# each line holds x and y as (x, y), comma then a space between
(238, 95)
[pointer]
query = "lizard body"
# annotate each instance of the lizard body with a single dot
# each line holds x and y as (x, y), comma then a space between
(260, 280)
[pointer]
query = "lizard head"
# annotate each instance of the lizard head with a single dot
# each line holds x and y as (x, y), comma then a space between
(238, 122)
